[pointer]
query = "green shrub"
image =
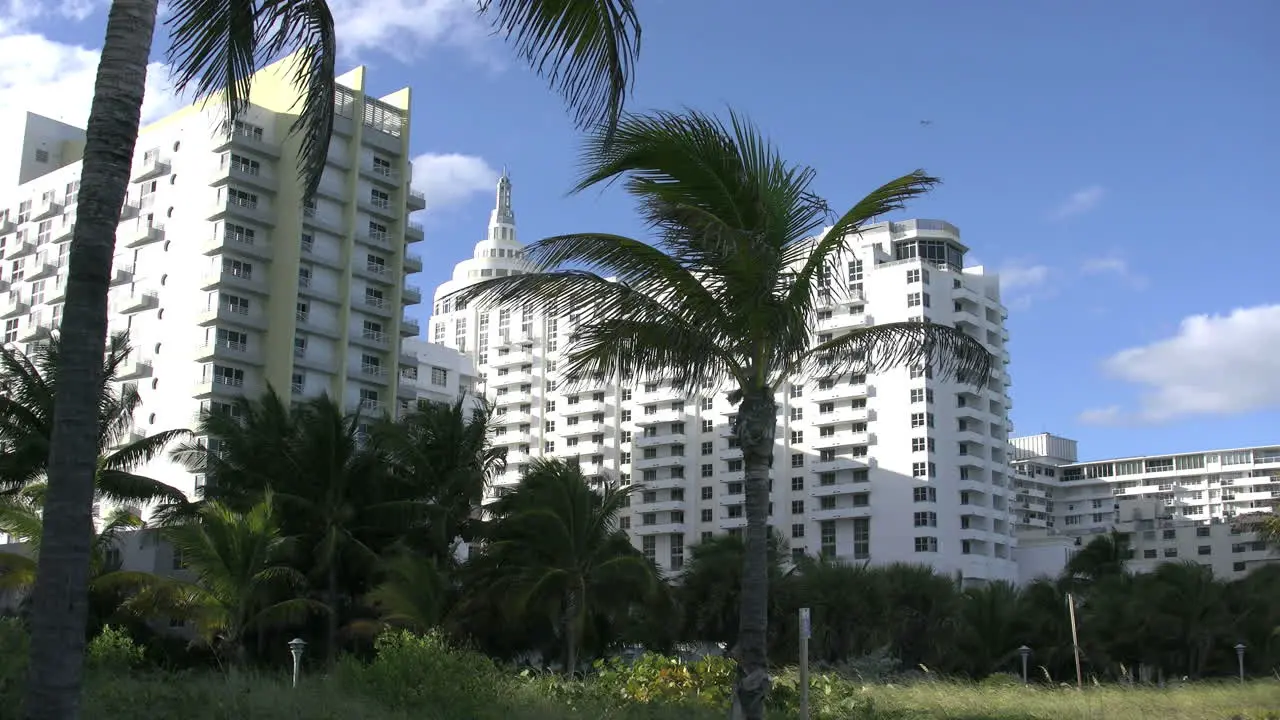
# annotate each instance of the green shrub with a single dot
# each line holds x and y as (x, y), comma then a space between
(114, 650)
(424, 673)
(14, 644)
(655, 678)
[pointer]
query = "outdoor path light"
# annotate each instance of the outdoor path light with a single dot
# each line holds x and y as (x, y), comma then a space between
(296, 646)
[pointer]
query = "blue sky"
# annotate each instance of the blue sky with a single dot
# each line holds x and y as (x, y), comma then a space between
(1115, 161)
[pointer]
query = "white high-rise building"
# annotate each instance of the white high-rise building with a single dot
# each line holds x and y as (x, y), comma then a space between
(1185, 506)
(892, 467)
(225, 281)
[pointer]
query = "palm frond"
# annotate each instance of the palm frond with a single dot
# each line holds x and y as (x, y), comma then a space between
(214, 50)
(947, 351)
(586, 49)
(126, 487)
(307, 27)
(23, 520)
(17, 571)
(285, 612)
(143, 450)
(654, 349)
(218, 44)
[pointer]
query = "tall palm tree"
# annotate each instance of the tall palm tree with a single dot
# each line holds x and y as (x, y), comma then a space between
(587, 49)
(27, 425)
(554, 550)
(242, 582)
(728, 293)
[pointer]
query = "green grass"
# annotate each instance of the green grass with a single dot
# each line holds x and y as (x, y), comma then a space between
(1202, 701)
(210, 696)
(424, 678)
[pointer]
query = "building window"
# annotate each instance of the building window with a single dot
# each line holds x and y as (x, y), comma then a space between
(677, 551)
(926, 544)
(925, 519)
(861, 538)
(827, 538)
(439, 376)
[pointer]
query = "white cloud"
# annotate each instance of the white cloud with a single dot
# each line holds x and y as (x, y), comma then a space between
(1021, 284)
(56, 79)
(1114, 266)
(1214, 365)
(449, 178)
(1019, 277)
(1079, 202)
(1110, 415)
(403, 28)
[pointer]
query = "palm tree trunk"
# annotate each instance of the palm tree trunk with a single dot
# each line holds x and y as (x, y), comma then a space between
(755, 430)
(61, 592)
(570, 634)
(331, 652)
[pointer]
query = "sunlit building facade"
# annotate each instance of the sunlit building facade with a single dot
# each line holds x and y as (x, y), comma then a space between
(898, 466)
(227, 282)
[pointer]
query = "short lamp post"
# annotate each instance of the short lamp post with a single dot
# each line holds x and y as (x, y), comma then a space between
(1240, 660)
(1025, 652)
(296, 646)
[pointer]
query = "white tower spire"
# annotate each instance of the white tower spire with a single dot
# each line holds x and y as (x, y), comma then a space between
(499, 254)
(502, 213)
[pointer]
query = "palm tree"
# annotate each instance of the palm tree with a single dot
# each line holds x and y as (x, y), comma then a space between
(554, 550)
(1266, 525)
(332, 487)
(253, 448)
(440, 453)
(1103, 556)
(242, 578)
(27, 426)
(587, 49)
(849, 609)
(729, 294)
(987, 634)
(412, 594)
(21, 517)
(709, 587)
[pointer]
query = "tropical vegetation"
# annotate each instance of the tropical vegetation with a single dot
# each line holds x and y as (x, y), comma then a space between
(301, 494)
(727, 292)
(586, 49)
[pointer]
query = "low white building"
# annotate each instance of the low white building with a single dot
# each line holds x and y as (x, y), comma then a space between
(443, 374)
(1185, 506)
